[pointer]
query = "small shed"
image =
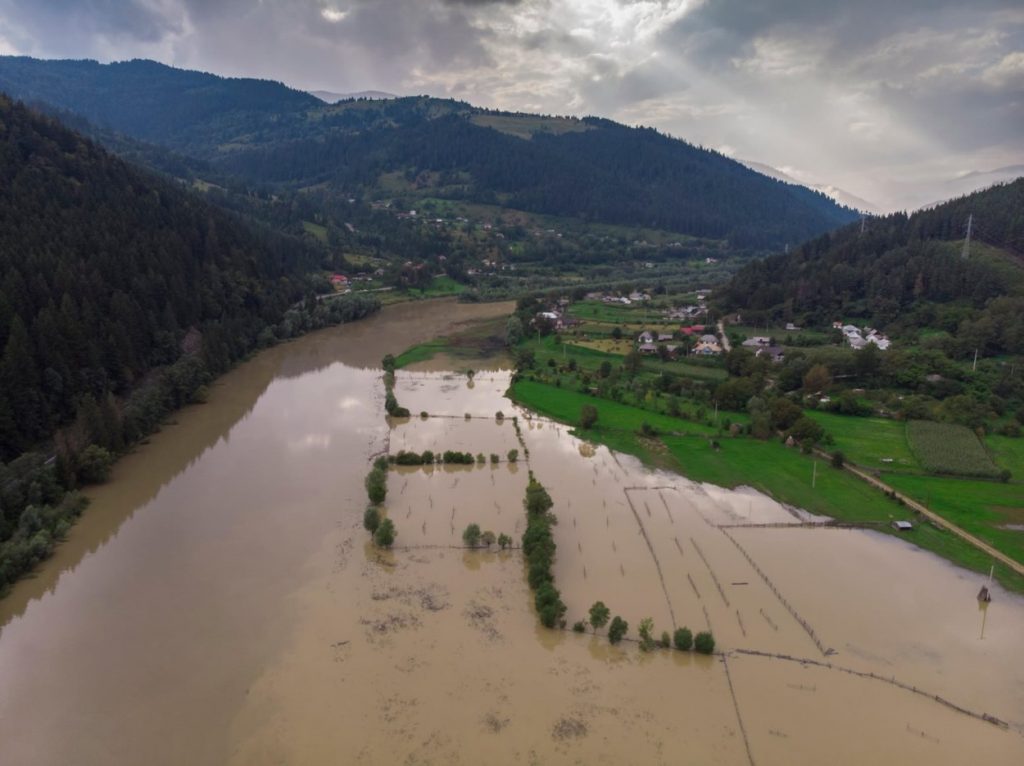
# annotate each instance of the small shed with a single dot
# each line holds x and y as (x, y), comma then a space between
(902, 526)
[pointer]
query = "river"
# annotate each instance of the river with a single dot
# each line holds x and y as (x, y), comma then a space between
(219, 602)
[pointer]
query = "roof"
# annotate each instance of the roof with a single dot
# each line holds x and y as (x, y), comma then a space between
(902, 525)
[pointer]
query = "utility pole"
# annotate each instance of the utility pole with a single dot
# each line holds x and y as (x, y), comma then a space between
(814, 475)
(862, 220)
(974, 367)
(967, 242)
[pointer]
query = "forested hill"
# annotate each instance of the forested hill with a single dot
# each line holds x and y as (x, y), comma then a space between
(588, 168)
(107, 272)
(907, 271)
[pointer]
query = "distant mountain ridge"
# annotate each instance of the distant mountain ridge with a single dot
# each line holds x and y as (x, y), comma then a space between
(330, 97)
(841, 196)
(591, 168)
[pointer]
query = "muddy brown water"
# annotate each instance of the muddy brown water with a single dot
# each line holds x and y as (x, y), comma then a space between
(220, 602)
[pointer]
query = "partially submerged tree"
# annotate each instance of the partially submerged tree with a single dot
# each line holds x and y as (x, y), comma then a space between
(646, 631)
(599, 615)
(471, 535)
(384, 537)
(371, 519)
(704, 642)
(683, 639)
(617, 630)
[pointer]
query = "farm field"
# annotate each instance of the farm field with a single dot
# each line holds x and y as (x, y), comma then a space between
(946, 448)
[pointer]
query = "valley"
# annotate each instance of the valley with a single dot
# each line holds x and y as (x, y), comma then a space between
(290, 636)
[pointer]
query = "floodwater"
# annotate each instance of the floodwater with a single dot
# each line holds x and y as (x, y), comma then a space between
(220, 602)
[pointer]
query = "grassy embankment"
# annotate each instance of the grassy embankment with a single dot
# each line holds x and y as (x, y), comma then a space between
(768, 466)
(476, 344)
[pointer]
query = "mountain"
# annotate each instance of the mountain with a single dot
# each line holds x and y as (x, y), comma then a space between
(108, 273)
(589, 168)
(905, 272)
(333, 98)
(972, 182)
(842, 197)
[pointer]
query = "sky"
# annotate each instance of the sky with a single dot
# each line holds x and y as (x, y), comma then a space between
(887, 99)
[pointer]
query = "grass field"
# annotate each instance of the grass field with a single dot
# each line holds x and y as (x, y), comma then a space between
(869, 442)
(617, 314)
(478, 342)
(438, 288)
(1009, 453)
(421, 352)
(564, 405)
(318, 231)
(980, 507)
(947, 448)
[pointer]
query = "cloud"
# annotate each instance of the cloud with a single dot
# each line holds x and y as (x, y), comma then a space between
(882, 98)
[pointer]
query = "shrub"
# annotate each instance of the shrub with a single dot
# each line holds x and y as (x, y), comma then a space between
(838, 459)
(480, 458)
(424, 414)
(495, 459)
(704, 642)
(371, 519)
(549, 605)
(537, 501)
(617, 630)
(599, 614)
(579, 626)
(427, 458)
(499, 415)
(513, 455)
(683, 639)
(408, 458)
(504, 541)
(666, 639)
(487, 538)
(384, 537)
(381, 462)
(471, 535)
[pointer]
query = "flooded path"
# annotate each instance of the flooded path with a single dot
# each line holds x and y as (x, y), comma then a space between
(220, 602)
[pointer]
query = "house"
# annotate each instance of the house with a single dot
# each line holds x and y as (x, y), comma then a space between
(705, 348)
(856, 342)
(646, 337)
(792, 327)
(697, 329)
(664, 336)
(636, 297)
(902, 526)
(775, 353)
(709, 339)
(339, 281)
(758, 341)
(647, 348)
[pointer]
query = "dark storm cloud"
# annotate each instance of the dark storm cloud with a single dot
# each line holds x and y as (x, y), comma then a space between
(874, 94)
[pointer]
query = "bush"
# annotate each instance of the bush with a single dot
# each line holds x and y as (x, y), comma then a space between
(471, 535)
(499, 415)
(549, 605)
(683, 639)
(495, 459)
(487, 538)
(579, 626)
(838, 459)
(408, 458)
(704, 642)
(666, 640)
(384, 537)
(371, 519)
(537, 501)
(617, 630)
(513, 455)
(504, 541)
(381, 462)
(427, 458)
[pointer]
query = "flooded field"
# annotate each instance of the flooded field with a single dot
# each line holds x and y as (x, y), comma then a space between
(221, 603)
